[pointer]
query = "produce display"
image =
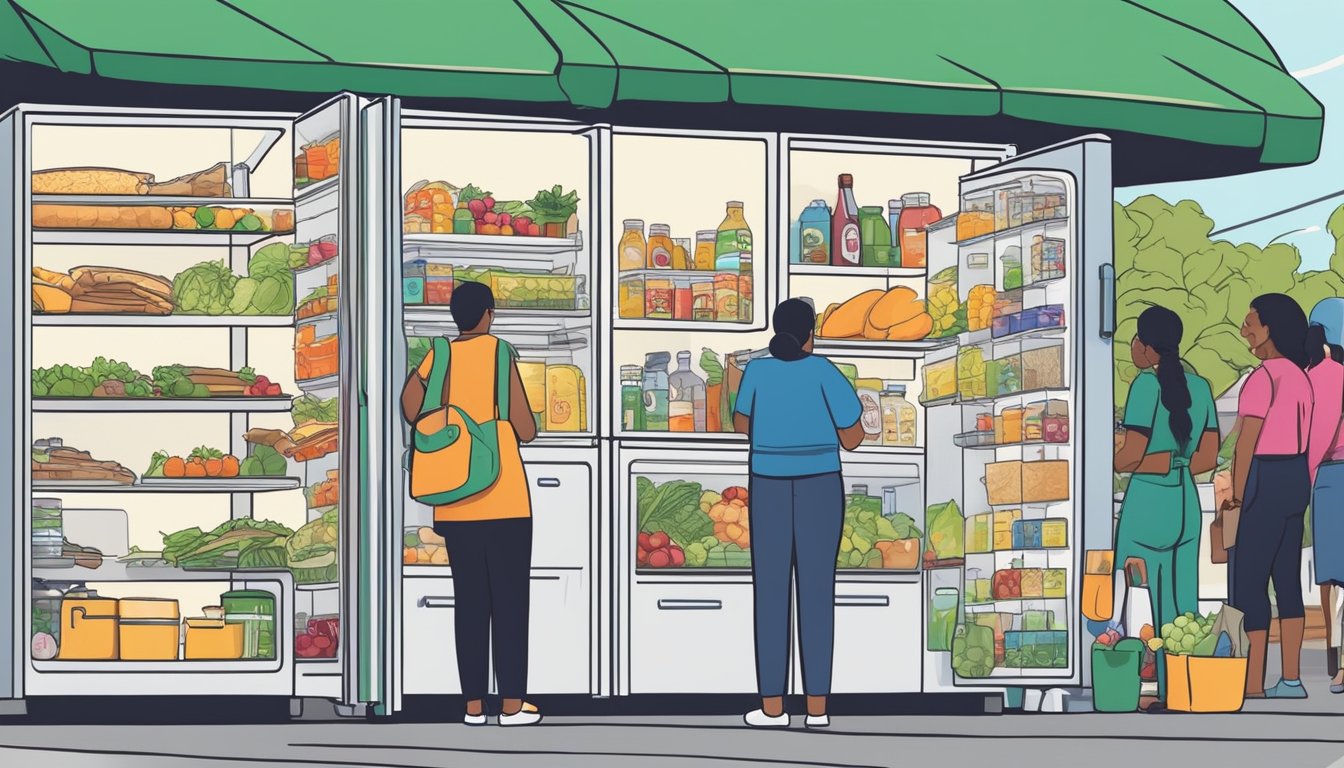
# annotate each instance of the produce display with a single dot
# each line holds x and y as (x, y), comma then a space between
(211, 182)
(311, 552)
(973, 650)
(305, 255)
(693, 526)
(877, 315)
(871, 540)
(210, 288)
(53, 462)
(109, 378)
(326, 493)
(321, 300)
(314, 357)
(320, 639)
(202, 462)
(441, 208)
(315, 433)
(317, 161)
(422, 546)
(101, 290)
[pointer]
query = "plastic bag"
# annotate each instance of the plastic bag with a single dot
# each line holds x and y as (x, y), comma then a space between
(946, 532)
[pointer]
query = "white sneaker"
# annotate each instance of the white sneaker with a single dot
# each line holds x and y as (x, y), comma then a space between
(820, 721)
(521, 717)
(757, 718)
(474, 720)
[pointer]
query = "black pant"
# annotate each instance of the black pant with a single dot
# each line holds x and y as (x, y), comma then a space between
(492, 563)
(1269, 540)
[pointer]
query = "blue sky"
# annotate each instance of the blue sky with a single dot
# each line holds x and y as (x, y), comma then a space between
(1306, 35)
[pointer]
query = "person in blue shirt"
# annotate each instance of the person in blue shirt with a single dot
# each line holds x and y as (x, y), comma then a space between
(799, 411)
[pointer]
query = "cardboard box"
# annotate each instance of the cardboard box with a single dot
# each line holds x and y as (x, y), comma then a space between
(1044, 481)
(1003, 482)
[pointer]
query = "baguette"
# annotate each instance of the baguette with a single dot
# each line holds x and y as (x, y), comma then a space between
(91, 181)
(52, 216)
(212, 182)
(155, 283)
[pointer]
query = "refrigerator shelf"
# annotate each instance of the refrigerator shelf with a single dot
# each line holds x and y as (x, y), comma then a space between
(904, 350)
(165, 201)
(163, 404)
(501, 245)
(1023, 444)
(113, 571)
(1013, 231)
(316, 189)
(1019, 551)
(985, 337)
(125, 320)
(826, 270)
(504, 318)
(320, 384)
(1037, 394)
(183, 486)
(153, 237)
(997, 606)
(253, 666)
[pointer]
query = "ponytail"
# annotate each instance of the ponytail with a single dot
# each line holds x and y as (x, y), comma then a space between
(794, 321)
(1161, 329)
(1315, 346)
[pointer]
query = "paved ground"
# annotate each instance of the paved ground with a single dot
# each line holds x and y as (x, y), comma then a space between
(1300, 734)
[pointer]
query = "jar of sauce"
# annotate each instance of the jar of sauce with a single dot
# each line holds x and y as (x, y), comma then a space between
(631, 250)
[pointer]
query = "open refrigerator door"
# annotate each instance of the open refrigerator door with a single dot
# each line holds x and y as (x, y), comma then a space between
(1019, 419)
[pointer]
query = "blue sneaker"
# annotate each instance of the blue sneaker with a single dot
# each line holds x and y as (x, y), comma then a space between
(1285, 690)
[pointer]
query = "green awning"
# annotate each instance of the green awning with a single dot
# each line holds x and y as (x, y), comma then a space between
(1179, 70)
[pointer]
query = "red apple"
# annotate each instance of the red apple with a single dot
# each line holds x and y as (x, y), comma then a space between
(659, 540)
(489, 203)
(678, 557)
(660, 558)
(477, 207)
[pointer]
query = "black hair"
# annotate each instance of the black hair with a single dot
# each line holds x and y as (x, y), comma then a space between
(794, 322)
(469, 304)
(1316, 347)
(1287, 325)
(1161, 329)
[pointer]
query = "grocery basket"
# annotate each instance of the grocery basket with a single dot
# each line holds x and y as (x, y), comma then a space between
(1205, 683)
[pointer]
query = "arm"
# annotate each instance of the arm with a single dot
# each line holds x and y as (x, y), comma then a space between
(1131, 452)
(520, 411)
(1140, 410)
(746, 401)
(851, 437)
(1206, 455)
(1241, 456)
(412, 397)
(742, 424)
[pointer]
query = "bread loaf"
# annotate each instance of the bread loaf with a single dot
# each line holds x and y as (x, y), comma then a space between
(50, 216)
(212, 182)
(95, 276)
(91, 181)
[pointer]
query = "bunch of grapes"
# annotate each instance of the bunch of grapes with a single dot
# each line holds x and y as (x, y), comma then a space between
(1187, 634)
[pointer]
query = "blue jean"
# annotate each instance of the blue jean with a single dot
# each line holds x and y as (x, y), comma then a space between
(795, 526)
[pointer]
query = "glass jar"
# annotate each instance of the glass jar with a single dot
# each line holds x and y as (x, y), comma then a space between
(658, 298)
(631, 296)
(874, 237)
(702, 298)
(898, 417)
(703, 260)
(658, 251)
(1012, 268)
(631, 250)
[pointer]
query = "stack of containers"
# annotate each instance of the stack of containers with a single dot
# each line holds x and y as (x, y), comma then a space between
(48, 534)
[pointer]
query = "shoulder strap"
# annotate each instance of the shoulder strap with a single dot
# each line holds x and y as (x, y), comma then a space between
(438, 376)
(503, 377)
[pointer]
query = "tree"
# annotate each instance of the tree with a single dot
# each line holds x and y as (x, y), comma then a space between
(1164, 256)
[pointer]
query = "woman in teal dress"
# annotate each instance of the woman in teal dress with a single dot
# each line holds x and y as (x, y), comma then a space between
(1170, 434)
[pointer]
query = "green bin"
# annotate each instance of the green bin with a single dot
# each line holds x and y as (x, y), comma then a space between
(1115, 676)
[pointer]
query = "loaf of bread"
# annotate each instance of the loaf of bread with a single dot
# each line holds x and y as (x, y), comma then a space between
(212, 182)
(91, 181)
(50, 216)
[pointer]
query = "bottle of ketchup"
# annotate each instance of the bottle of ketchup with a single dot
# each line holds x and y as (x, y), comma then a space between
(845, 226)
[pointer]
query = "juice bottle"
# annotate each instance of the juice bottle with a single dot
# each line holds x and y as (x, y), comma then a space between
(631, 249)
(894, 224)
(655, 391)
(733, 238)
(744, 280)
(659, 249)
(683, 301)
(632, 398)
(916, 214)
(814, 234)
(845, 242)
(685, 397)
(705, 242)
(681, 258)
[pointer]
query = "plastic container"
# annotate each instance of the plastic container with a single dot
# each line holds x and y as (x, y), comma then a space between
(940, 380)
(870, 396)
(1054, 533)
(814, 234)
(254, 610)
(686, 398)
(1055, 422)
(439, 285)
(874, 236)
(632, 398)
(212, 639)
(630, 296)
(1205, 684)
(658, 297)
(942, 618)
(1115, 676)
(899, 418)
(944, 305)
(971, 373)
(413, 282)
(655, 393)
(917, 213)
(1047, 258)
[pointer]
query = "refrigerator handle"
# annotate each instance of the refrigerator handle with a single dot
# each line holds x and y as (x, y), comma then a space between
(862, 601)
(1107, 276)
(548, 482)
(689, 605)
(436, 602)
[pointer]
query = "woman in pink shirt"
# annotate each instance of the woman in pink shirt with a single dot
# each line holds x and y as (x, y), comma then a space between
(1271, 486)
(1325, 457)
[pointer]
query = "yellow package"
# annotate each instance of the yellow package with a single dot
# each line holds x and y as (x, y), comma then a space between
(564, 398)
(1003, 528)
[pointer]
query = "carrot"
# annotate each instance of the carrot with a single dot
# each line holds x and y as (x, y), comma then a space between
(230, 466)
(175, 467)
(214, 467)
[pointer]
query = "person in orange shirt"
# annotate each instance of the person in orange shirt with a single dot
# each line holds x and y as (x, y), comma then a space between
(488, 535)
